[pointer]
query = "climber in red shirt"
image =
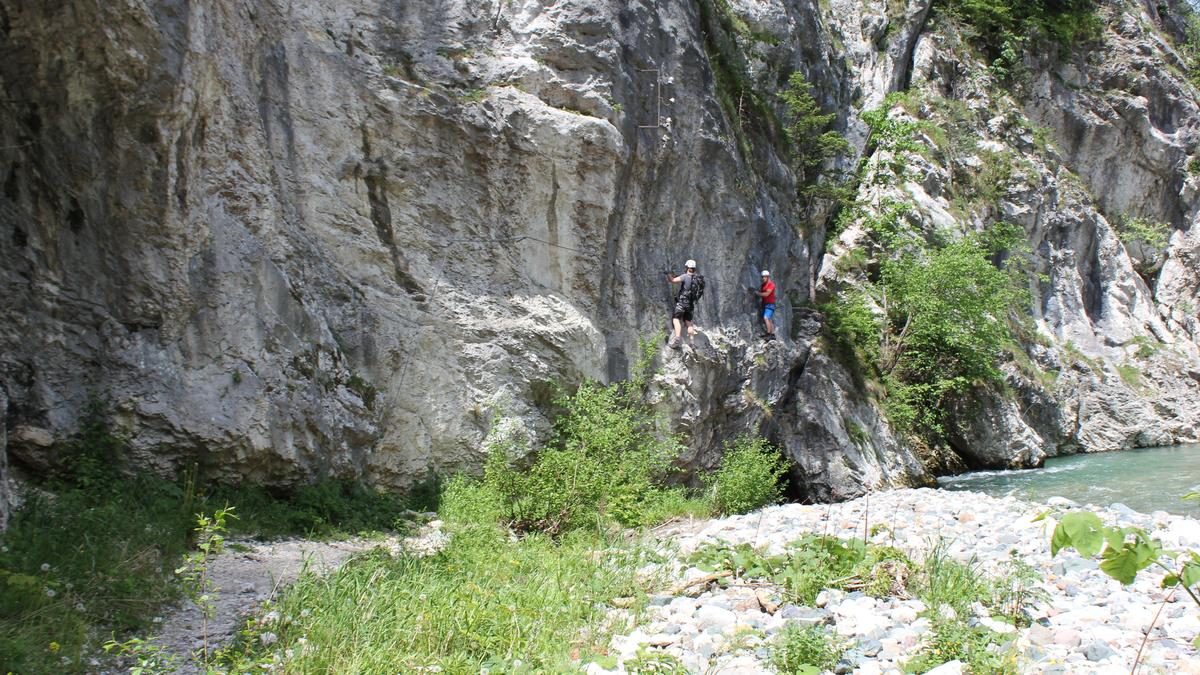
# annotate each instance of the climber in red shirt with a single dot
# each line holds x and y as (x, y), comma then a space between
(767, 294)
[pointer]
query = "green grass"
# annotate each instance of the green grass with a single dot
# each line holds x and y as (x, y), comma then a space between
(487, 601)
(811, 564)
(93, 551)
(814, 563)
(537, 553)
(981, 650)
(80, 561)
(1130, 375)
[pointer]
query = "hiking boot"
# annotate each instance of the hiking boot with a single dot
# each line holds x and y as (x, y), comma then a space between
(769, 337)
(674, 343)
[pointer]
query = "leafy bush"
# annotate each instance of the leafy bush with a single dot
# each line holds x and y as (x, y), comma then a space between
(806, 650)
(943, 319)
(606, 460)
(948, 310)
(748, 477)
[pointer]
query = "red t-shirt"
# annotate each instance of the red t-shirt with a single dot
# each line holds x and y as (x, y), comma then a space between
(768, 287)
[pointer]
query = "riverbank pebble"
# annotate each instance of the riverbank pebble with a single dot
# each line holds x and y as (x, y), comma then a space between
(1084, 622)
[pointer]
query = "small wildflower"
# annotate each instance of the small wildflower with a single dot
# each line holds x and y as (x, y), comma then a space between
(268, 638)
(304, 613)
(79, 607)
(271, 617)
(54, 647)
(50, 593)
(45, 567)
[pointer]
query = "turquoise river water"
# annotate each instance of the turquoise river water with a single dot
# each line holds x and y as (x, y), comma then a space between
(1145, 480)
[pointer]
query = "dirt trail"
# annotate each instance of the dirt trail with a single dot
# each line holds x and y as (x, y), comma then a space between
(248, 573)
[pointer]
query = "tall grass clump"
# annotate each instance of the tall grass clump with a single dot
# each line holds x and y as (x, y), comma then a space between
(487, 601)
(748, 477)
(807, 650)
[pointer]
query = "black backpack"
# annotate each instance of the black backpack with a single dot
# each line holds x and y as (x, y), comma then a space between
(697, 289)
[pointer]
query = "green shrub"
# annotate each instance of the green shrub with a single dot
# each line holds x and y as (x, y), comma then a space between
(607, 460)
(981, 650)
(1135, 229)
(1145, 346)
(327, 509)
(946, 320)
(1001, 24)
(805, 650)
(748, 477)
(808, 130)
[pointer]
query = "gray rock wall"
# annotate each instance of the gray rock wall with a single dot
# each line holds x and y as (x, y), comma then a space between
(341, 238)
(294, 240)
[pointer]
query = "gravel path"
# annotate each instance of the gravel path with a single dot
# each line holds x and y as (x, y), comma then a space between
(250, 572)
(247, 574)
(1088, 622)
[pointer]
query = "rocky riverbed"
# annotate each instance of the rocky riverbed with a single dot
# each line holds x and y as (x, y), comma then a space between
(1083, 621)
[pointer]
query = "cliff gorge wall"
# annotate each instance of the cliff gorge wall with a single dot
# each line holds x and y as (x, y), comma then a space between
(289, 240)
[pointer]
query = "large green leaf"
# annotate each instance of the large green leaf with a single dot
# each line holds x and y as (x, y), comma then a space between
(1124, 563)
(1121, 565)
(1191, 574)
(1080, 529)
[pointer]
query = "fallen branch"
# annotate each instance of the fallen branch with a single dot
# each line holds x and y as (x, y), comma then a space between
(704, 580)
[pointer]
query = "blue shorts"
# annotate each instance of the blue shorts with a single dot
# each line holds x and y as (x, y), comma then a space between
(768, 310)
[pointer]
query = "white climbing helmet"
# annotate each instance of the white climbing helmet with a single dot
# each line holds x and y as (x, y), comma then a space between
(690, 263)
(766, 273)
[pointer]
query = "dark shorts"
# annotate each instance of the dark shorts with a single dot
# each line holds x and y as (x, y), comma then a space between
(682, 312)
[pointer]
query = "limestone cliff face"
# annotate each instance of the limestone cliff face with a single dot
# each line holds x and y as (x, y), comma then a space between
(1086, 144)
(301, 239)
